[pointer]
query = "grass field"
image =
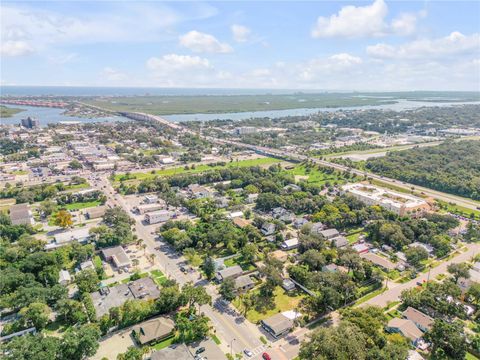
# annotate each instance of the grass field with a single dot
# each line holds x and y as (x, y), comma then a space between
(166, 105)
(80, 205)
(197, 169)
(238, 260)
(314, 175)
(8, 111)
(158, 277)
(283, 301)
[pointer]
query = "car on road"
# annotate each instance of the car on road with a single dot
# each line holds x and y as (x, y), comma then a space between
(265, 356)
(248, 353)
(200, 350)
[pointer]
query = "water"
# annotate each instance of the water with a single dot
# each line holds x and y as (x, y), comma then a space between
(51, 116)
(401, 104)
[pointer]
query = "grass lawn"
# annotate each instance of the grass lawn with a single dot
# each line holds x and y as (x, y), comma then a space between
(470, 356)
(127, 280)
(164, 343)
(158, 277)
(197, 169)
(283, 301)
(370, 295)
(315, 176)
(76, 186)
(97, 261)
(80, 205)
(459, 210)
(216, 340)
(238, 260)
(353, 238)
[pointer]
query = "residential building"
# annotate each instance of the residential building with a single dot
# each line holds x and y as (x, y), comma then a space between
(153, 330)
(421, 320)
(64, 277)
(244, 283)
(288, 285)
(30, 123)
(290, 244)
(329, 233)
(280, 255)
(244, 130)
(379, 260)
(339, 241)
(95, 212)
(360, 248)
(405, 327)
(268, 229)
(21, 214)
(150, 199)
(229, 272)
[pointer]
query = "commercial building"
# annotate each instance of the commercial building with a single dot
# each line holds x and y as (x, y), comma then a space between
(96, 212)
(245, 130)
(400, 204)
(158, 216)
(117, 256)
(278, 325)
(30, 123)
(153, 330)
(81, 235)
(143, 209)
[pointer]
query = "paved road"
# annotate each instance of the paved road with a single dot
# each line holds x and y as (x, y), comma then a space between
(230, 327)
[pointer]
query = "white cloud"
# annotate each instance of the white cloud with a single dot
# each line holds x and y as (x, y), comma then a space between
(15, 48)
(364, 21)
(240, 33)
(203, 43)
(112, 74)
(453, 44)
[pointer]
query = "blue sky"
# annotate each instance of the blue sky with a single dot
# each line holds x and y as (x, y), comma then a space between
(327, 45)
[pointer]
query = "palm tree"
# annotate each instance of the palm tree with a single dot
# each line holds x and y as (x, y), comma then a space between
(144, 247)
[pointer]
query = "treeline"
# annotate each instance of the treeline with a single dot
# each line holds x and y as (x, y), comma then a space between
(452, 167)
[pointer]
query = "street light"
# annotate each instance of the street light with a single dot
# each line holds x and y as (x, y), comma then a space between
(231, 348)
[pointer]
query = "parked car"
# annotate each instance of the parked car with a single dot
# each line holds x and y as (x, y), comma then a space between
(265, 356)
(248, 353)
(200, 350)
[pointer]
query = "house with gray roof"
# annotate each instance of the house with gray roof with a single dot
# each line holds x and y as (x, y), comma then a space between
(229, 272)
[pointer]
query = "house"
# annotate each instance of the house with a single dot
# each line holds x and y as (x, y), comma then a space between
(280, 255)
(290, 244)
(87, 265)
(235, 214)
(317, 228)
(299, 222)
(153, 330)
(329, 233)
(114, 296)
(81, 235)
(378, 260)
(240, 222)
(287, 217)
(178, 352)
(243, 283)
(118, 256)
(268, 229)
(277, 325)
(222, 202)
(198, 192)
(421, 320)
(292, 188)
(288, 285)
(360, 248)
(64, 277)
(156, 217)
(251, 198)
(405, 327)
(339, 241)
(95, 212)
(427, 247)
(21, 214)
(229, 272)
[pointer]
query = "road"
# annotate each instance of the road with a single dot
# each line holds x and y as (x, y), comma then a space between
(230, 327)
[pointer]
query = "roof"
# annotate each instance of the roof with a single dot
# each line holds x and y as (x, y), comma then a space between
(180, 352)
(118, 255)
(80, 234)
(96, 212)
(290, 242)
(231, 271)
(243, 281)
(360, 248)
(329, 233)
(154, 329)
(144, 288)
(64, 275)
(418, 317)
(113, 297)
(278, 323)
(340, 241)
(279, 255)
(21, 214)
(406, 327)
(378, 260)
(241, 223)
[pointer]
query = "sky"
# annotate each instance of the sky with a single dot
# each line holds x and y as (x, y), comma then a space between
(374, 45)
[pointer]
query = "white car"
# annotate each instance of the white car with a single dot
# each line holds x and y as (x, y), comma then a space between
(248, 353)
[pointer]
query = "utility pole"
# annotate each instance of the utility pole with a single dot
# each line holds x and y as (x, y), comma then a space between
(231, 348)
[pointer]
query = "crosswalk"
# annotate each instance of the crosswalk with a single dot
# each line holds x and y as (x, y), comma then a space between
(258, 350)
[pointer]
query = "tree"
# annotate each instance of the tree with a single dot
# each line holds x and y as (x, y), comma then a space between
(87, 281)
(75, 165)
(195, 295)
(47, 207)
(458, 271)
(247, 301)
(79, 343)
(474, 293)
(63, 219)
(227, 289)
(169, 300)
(32, 347)
(191, 327)
(344, 342)
(249, 252)
(116, 215)
(36, 314)
(133, 353)
(71, 311)
(447, 339)
(209, 267)
(415, 255)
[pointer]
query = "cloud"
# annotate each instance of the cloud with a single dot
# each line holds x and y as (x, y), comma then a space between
(113, 75)
(240, 33)
(365, 21)
(203, 43)
(13, 48)
(453, 44)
